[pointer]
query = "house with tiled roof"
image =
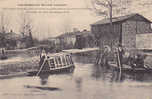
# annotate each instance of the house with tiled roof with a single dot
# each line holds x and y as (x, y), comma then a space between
(124, 30)
(70, 39)
(9, 40)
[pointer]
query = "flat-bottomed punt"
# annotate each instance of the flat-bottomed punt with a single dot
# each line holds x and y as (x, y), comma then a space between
(55, 63)
(128, 68)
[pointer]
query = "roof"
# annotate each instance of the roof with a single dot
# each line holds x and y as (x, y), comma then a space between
(13, 35)
(118, 19)
(70, 34)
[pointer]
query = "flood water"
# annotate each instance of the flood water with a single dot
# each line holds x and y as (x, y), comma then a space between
(86, 82)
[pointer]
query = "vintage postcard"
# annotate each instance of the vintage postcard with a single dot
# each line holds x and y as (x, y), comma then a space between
(75, 49)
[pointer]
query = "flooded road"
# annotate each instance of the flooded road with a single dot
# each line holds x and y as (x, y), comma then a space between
(86, 82)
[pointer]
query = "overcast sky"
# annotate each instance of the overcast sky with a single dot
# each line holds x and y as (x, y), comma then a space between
(48, 24)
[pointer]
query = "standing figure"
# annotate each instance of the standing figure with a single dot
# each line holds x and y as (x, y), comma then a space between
(42, 57)
(120, 53)
(105, 55)
(43, 54)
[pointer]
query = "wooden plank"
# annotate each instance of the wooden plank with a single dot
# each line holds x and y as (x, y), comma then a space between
(74, 51)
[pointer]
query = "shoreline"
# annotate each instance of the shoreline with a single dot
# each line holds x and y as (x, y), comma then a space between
(19, 74)
(18, 65)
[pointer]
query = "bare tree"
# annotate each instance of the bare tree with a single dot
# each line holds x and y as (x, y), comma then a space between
(110, 8)
(25, 24)
(26, 28)
(4, 22)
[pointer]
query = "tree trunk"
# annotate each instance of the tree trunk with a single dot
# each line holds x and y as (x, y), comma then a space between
(111, 25)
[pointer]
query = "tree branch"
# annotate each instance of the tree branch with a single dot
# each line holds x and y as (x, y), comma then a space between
(101, 3)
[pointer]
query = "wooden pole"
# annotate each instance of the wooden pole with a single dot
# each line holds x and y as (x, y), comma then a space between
(119, 65)
(41, 67)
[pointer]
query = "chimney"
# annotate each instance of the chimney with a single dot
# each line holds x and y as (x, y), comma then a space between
(85, 30)
(11, 31)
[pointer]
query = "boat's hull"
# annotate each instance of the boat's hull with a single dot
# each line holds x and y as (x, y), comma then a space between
(67, 69)
(127, 68)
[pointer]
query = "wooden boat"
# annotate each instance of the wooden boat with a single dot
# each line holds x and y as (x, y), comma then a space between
(55, 63)
(127, 68)
(3, 54)
(3, 57)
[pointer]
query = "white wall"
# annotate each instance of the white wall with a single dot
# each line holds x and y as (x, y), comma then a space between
(144, 41)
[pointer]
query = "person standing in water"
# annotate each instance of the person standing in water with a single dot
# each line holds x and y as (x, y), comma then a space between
(105, 55)
(120, 53)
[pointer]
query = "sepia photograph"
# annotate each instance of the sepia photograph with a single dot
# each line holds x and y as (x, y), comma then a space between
(75, 49)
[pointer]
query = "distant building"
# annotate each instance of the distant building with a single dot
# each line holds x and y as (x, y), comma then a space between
(85, 39)
(9, 40)
(125, 30)
(54, 40)
(21, 42)
(69, 40)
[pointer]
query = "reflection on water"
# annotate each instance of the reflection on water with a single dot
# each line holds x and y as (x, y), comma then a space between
(43, 82)
(88, 81)
(44, 79)
(78, 82)
(106, 74)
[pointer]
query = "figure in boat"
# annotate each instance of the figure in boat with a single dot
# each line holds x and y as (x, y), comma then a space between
(124, 59)
(43, 54)
(135, 60)
(54, 63)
